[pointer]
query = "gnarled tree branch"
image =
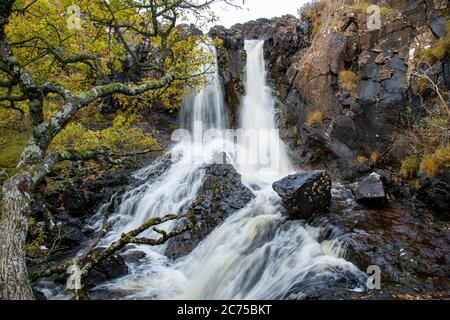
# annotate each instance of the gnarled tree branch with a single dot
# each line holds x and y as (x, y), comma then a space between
(94, 256)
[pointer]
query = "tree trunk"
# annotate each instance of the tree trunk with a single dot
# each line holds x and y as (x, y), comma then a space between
(15, 209)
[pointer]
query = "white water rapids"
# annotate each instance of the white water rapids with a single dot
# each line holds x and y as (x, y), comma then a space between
(255, 253)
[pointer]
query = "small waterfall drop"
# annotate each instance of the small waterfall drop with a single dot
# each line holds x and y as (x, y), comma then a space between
(263, 154)
(205, 110)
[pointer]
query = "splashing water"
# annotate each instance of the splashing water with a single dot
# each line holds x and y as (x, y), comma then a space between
(255, 253)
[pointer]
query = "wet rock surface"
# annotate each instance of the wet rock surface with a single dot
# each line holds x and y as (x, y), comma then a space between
(221, 194)
(111, 268)
(408, 244)
(370, 190)
(436, 194)
(305, 194)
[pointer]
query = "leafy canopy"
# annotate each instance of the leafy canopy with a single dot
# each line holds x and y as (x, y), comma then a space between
(99, 42)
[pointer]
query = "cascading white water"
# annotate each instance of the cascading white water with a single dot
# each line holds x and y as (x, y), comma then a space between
(174, 191)
(268, 157)
(255, 253)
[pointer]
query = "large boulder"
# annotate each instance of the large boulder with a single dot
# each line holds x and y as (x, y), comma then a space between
(221, 194)
(305, 193)
(370, 190)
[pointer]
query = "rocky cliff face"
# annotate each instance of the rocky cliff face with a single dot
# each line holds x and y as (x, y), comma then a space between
(327, 121)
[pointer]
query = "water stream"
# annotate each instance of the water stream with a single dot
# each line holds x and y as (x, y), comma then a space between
(255, 253)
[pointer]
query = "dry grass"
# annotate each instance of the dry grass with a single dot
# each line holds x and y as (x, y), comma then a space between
(433, 163)
(314, 10)
(429, 140)
(362, 6)
(348, 81)
(315, 119)
(362, 160)
(376, 157)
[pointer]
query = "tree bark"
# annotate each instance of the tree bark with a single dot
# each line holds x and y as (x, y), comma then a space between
(15, 209)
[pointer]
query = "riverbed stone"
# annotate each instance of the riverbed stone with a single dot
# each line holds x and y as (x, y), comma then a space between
(370, 190)
(304, 194)
(221, 195)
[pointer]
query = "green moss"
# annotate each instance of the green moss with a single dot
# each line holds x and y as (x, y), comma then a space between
(440, 51)
(410, 167)
(13, 142)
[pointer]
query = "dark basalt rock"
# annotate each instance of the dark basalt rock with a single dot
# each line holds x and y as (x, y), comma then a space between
(370, 190)
(39, 295)
(305, 194)
(221, 195)
(69, 230)
(78, 202)
(109, 269)
(436, 194)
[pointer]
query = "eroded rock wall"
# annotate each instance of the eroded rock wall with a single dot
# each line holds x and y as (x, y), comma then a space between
(304, 70)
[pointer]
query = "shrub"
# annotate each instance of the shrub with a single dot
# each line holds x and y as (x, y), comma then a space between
(315, 119)
(433, 132)
(314, 11)
(437, 161)
(37, 238)
(421, 86)
(439, 52)
(348, 81)
(430, 166)
(410, 167)
(123, 135)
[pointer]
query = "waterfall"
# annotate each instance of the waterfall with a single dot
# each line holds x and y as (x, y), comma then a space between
(255, 253)
(205, 110)
(260, 138)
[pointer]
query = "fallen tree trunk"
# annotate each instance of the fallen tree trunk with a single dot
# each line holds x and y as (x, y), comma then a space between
(15, 209)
